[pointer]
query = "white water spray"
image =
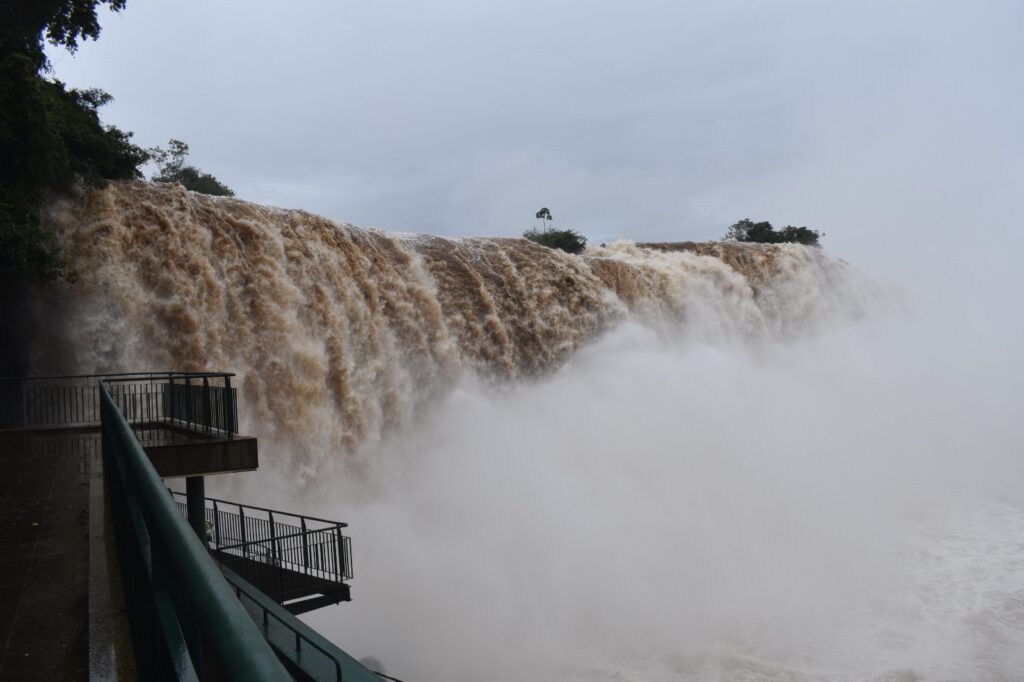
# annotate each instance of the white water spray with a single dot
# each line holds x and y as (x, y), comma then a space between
(725, 463)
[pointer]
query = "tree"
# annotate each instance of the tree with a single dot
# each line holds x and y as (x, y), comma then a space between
(747, 230)
(569, 241)
(171, 162)
(29, 24)
(545, 215)
(50, 136)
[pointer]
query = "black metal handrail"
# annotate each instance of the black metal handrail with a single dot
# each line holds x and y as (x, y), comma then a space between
(213, 502)
(196, 401)
(113, 376)
(304, 544)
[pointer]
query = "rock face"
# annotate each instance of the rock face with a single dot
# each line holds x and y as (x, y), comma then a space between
(340, 334)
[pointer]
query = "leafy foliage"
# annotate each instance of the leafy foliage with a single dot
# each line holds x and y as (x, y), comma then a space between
(171, 162)
(747, 230)
(29, 24)
(569, 241)
(50, 136)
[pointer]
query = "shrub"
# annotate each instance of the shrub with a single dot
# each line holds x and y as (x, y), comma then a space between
(569, 241)
(747, 230)
(171, 162)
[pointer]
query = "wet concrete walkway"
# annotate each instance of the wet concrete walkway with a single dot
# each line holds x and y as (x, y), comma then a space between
(44, 554)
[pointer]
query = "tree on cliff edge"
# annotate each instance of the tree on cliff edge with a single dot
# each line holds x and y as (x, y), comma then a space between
(747, 230)
(171, 162)
(569, 241)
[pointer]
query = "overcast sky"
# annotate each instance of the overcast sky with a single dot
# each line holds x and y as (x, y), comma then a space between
(649, 120)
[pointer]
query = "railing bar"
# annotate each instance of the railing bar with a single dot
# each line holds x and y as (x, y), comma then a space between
(241, 516)
(216, 525)
(114, 377)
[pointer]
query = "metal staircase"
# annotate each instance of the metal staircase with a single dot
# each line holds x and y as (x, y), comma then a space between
(301, 562)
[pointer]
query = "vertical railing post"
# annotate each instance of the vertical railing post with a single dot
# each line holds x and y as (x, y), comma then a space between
(229, 408)
(241, 521)
(168, 410)
(207, 421)
(305, 544)
(216, 525)
(274, 558)
(340, 566)
(188, 401)
(273, 538)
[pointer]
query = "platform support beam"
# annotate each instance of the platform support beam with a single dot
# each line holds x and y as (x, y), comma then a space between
(195, 498)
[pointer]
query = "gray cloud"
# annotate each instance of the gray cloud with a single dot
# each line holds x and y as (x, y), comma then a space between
(652, 120)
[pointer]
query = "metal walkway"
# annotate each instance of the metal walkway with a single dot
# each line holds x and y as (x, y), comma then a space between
(193, 614)
(300, 562)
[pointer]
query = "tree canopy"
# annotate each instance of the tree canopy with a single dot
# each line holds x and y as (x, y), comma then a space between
(29, 24)
(747, 230)
(50, 136)
(172, 168)
(569, 241)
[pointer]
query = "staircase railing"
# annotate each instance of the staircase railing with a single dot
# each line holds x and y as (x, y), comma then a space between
(303, 545)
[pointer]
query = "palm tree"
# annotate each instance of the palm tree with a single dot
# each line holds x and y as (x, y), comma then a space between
(545, 215)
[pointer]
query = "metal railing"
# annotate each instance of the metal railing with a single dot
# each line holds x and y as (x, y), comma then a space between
(202, 402)
(263, 613)
(185, 618)
(300, 646)
(304, 546)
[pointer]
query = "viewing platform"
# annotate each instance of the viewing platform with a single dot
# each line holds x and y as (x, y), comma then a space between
(186, 422)
(106, 574)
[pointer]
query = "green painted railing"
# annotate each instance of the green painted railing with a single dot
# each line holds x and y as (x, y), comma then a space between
(304, 650)
(186, 621)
